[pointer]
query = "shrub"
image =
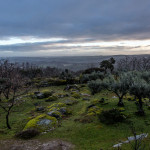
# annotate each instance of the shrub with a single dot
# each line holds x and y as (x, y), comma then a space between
(95, 86)
(111, 116)
(93, 76)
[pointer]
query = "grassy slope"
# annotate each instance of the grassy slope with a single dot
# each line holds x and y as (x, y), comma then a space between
(87, 136)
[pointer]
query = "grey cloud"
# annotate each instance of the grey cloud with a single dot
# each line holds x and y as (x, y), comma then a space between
(102, 19)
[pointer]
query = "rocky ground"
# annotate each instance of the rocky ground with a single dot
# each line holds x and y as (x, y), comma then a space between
(34, 145)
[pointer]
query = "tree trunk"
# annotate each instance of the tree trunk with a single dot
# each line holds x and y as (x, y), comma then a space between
(120, 103)
(7, 120)
(140, 111)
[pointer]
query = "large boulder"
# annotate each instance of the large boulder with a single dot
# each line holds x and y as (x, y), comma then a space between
(42, 123)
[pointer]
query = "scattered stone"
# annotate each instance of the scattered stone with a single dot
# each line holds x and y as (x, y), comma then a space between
(40, 96)
(69, 87)
(37, 92)
(84, 94)
(44, 122)
(55, 114)
(132, 138)
(86, 99)
(40, 109)
(90, 106)
(114, 97)
(35, 145)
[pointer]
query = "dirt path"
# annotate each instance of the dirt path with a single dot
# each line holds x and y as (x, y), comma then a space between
(35, 145)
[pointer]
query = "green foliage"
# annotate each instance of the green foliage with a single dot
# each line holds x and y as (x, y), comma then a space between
(108, 64)
(93, 76)
(111, 116)
(56, 82)
(95, 86)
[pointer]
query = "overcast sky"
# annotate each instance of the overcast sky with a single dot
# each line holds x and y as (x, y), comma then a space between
(74, 27)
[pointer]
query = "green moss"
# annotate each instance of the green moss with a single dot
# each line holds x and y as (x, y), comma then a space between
(51, 98)
(57, 105)
(76, 95)
(47, 93)
(55, 113)
(35, 123)
(121, 109)
(93, 111)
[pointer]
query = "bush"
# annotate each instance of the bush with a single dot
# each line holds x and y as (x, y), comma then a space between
(111, 116)
(95, 86)
(27, 134)
(93, 76)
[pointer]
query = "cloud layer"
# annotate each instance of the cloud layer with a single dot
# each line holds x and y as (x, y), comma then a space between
(74, 20)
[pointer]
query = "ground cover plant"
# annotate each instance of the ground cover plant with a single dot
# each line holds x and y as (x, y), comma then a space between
(85, 135)
(75, 114)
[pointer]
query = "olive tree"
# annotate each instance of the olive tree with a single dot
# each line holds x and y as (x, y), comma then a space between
(119, 86)
(141, 89)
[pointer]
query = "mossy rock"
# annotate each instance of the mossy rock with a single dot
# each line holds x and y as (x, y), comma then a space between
(65, 111)
(76, 95)
(61, 107)
(57, 105)
(93, 111)
(55, 113)
(42, 123)
(71, 102)
(51, 98)
(47, 93)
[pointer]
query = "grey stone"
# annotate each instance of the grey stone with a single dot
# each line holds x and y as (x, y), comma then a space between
(44, 122)
(40, 109)
(54, 114)
(40, 96)
(132, 138)
(86, 99)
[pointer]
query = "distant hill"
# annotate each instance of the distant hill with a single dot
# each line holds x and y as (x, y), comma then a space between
(74, 63)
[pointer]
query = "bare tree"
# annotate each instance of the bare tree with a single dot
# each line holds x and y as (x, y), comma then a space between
(12, 85)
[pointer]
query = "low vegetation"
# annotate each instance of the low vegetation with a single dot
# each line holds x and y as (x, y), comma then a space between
(92, 111)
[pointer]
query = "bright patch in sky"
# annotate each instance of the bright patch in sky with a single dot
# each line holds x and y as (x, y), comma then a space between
(23, 40)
